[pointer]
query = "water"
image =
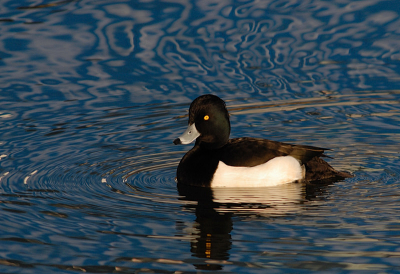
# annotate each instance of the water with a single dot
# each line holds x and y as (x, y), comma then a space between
(92, 94)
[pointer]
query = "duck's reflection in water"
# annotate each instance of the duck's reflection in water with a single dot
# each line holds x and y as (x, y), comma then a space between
(215, 208)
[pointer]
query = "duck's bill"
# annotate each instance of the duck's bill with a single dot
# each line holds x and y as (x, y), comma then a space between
(188, 136)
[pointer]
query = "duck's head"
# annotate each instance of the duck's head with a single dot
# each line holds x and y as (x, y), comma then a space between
(208, 123)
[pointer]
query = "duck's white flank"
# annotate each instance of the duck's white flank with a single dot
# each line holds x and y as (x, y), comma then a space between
(277, 171)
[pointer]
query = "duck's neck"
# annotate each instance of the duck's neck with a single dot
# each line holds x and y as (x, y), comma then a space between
(210, 146)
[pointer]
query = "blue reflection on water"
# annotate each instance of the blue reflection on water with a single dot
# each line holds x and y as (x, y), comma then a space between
(92, 93)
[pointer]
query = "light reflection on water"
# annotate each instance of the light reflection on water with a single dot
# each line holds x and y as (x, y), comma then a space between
(147, 51)
(92, 93)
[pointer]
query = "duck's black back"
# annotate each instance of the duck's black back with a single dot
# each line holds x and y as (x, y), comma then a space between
(254, 151)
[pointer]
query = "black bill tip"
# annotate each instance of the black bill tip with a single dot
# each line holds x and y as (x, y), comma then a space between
(177, 141)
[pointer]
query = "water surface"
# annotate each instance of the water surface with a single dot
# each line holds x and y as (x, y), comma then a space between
(92, 94)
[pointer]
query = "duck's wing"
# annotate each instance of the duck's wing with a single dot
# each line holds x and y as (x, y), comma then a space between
(254, 151)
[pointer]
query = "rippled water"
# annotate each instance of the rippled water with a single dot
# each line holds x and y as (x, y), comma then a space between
(92, 93)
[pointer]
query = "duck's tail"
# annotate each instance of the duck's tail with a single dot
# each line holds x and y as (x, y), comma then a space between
(318, 169)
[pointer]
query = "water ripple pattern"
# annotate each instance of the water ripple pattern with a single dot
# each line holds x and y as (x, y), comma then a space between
(92, 94)
(104, 49)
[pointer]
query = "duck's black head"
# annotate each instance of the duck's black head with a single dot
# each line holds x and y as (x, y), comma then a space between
(208, 123)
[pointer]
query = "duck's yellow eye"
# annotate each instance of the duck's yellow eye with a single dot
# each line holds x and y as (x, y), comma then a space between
(206, 117)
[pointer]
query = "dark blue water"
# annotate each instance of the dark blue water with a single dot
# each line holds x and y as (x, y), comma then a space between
(92, 93)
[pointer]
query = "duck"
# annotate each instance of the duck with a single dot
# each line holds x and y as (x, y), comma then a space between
(218, 161)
